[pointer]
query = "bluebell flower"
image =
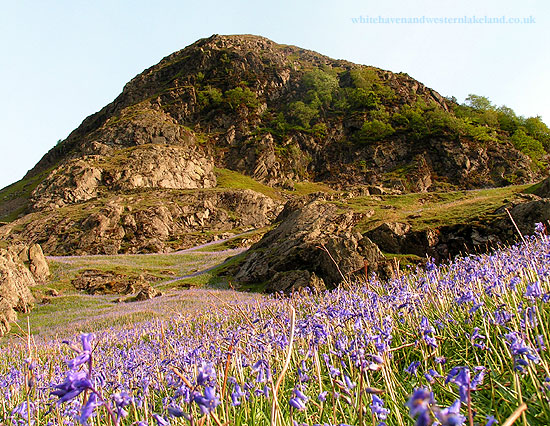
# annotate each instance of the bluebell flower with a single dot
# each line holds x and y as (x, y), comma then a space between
(377, 407)
(461, 377)
(236, 395)
(450, 416)
(88, 409)
(299, 400)
(491, 421)
(207, 402)
(411, 369)
(75, 383)
(419, 402)
(161, 421)
(207, 374)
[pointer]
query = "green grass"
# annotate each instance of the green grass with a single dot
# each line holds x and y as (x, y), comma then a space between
(234, 180)
(162, 266)
(17, 195)
(429, 210)
(305, 188)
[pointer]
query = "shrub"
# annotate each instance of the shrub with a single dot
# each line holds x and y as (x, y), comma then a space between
(210, 97)
(239, 96)
(374, 130)
(320, 86)
(528, 145)
(301, 113)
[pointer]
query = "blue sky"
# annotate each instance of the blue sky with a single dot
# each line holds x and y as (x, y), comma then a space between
(64, 60)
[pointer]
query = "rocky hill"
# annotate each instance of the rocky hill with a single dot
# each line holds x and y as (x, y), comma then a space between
(217, 137)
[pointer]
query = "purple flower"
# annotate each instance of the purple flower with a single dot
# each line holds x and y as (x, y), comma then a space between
(411, 369)
(431, 375)
(299, 400)
(161, 421)
(428, 332)
(349, 384)
(460, 376)
(450, 416)
(207, 375)
(207, 402)
(84, 355)
(533, 290)
(236, 395)
(520, 350)
(75, 383)
(122, 399)
(478, 378)
(491, 421)
(24, 411)
(419, 402)
(92, 403)
(176, 411)
(378, 409)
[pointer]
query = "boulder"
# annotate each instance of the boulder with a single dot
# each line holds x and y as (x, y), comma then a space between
(543, 190)
(38, 264)
(313, 245)
(146, 293)
(15, 282)
(398, 238)
(94, 281)
(527, 214)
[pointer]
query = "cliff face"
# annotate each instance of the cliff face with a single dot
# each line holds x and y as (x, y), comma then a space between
(141, 174)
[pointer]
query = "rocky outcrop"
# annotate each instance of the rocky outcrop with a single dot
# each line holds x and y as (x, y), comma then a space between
(33, 256)
(16, 280)
(93, 281)
(150, 166)
(70, 183)
(394, 237)
(154, 221)
(543, 189)
(313, 246)
(526, 214)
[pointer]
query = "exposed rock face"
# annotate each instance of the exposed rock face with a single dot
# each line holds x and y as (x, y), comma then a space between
(527, 214)
(15, 282)
(312, 246)
(544, 189)
(38, 265)
(155, 221)
(394, 237)
(150, 166)
(71, 183)
(101, 282)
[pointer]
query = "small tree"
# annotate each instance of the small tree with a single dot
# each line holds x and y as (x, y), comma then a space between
(479, 102)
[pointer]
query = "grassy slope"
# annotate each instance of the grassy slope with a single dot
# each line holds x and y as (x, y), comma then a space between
(85, 311)
(427, 210)
(15, 197)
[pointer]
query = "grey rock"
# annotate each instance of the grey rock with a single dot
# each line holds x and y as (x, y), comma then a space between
(312, 243)
(15, 283)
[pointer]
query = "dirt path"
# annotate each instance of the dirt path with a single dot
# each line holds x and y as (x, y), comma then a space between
(230, 252)
(67, 259)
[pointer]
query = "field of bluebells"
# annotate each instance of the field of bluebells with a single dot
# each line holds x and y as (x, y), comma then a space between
(458, 344)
